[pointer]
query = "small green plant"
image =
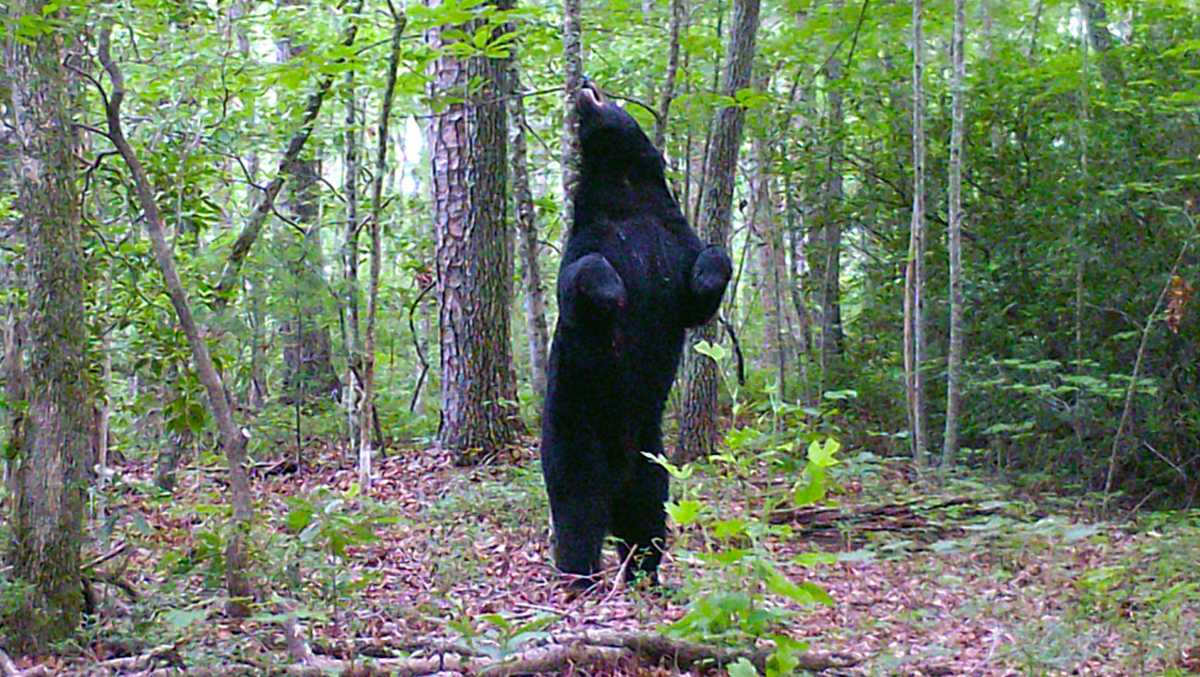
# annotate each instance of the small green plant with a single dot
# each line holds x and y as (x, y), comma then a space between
(739, 591)
(326, 525)
(737, 587)
(498, 636)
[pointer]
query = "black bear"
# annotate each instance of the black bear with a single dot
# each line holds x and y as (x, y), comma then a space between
(633, 278)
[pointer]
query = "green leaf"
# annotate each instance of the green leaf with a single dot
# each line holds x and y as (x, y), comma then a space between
(715, 351)
(684, 512)
(812, 559)
(821, 453)
(497, 620)
(780, 585)
(731, 528)
(728, 556)
(297, 520)
(811, 491)
(742, 668)
(181, 619)
(817, 592)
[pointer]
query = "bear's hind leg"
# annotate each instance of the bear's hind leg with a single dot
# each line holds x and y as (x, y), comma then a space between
(640, 521)
(580, 509)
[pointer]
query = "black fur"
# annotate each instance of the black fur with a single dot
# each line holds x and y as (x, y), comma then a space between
(633, 277)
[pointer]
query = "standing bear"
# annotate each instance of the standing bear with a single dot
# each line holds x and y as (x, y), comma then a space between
(633, 278)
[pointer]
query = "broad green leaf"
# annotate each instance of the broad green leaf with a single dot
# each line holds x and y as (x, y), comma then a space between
(685, 511)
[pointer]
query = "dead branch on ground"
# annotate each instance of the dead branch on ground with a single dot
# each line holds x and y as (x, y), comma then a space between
(910, 516)
(589, 649)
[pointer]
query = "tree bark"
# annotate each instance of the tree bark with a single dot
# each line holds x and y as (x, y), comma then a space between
(531, 275)
(308, 354)
(259, 389)
(1083, 213)
(353, 346)
(699, 430)
(831, 229)
(233, 443)
(53, 457)
(679, 10)
(1100, 39)
(308, 351)
(474, 258)
(954, 355)
(765, 226)
(16, 376)
(914, 279)
(367, 404)
(573, 80)
(179, 439)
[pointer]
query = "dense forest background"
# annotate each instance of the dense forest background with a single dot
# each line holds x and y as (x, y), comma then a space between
(243, 241)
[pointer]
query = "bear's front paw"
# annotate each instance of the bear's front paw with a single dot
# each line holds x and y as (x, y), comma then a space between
(712, 271)
(601, 284)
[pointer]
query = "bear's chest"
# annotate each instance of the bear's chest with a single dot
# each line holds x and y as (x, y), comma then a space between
(652, 263)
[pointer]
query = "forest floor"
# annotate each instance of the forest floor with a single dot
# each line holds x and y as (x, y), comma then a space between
(967, 581)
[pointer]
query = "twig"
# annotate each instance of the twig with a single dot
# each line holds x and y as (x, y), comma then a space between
(7, 667)
(412, 311)
(822, 516)
(1127, 410)
(120, 548)
(558, 658)
(1174, 466)
(165, 653)
(737, 350)
(620, 577)
(116, 581)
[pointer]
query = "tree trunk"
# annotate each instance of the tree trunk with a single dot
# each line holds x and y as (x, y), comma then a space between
(179, 438)
(259, 390)
(831, 230)
(573, 80)
(50, 478)
(1034, 31)
(474, 260)
(798, 125)
(954, 355)
(233, 443)
(352, 394)
(367, 404)
(770, 265)
(914, 278)
(679, 12)
(1100, 39)
(256, 386)
(698, 429)
(1083, 214)
(308, 353)
(531, 276)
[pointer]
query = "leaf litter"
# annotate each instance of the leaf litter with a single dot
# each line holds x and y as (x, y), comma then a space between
(466, 565)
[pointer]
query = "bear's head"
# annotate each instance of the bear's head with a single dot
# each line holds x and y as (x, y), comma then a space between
(611, 141)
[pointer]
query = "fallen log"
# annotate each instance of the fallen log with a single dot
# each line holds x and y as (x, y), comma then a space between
(685, 655)
(591, 649)
(895, 516)
(165, 655)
